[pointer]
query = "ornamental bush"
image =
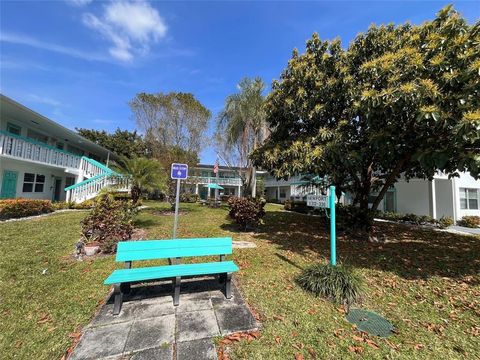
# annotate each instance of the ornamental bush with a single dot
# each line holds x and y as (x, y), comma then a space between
(354, 218)
(470, 221)
(18, 208)
(445, 222)
(336, 283)
(246, 212)
(188, 198)
(108, 222)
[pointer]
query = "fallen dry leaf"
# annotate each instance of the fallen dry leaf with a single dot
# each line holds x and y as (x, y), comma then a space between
(312, 353)
(356, 349)
(357, 338)
(372, 344)
(392, 345)
(299, 357)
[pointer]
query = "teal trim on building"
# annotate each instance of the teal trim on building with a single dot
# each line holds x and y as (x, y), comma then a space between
(37, 143)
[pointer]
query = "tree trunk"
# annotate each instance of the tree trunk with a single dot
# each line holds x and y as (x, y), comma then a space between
(135, 193)
(390, 180)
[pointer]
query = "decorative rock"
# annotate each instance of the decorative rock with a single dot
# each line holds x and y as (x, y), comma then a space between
(243, 244)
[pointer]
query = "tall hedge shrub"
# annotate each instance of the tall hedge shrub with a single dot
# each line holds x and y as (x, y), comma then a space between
(18, 208)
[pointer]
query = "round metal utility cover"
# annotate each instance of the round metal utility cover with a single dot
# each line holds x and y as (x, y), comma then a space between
(370, 322)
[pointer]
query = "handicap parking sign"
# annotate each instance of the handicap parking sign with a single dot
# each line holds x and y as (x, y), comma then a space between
(179, 171)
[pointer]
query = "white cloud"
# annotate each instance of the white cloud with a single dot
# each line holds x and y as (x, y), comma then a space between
(79, 2)
(29, 41)
(131, 27)
(44, 100)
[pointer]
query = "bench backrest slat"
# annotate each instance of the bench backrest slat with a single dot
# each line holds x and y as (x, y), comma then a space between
(163, 249)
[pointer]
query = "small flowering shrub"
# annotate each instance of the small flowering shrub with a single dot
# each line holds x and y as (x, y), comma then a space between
(245, 211)
(18, 208)
(470, 221)
(109, 222)
(188, 198)
(444, 222)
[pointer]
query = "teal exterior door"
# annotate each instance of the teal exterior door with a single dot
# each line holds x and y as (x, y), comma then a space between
(9, 185)
(203, 193)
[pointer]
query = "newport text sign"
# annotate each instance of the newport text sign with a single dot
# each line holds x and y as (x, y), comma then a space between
(317, 201)
(179, 171)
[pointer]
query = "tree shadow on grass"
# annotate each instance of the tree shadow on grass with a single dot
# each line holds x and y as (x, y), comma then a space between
(412, 253)
(144, 223)
(287, 260)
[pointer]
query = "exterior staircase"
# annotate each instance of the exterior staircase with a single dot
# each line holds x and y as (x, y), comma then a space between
(97, 176)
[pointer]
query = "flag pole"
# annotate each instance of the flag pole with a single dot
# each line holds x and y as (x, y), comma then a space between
(216, 168)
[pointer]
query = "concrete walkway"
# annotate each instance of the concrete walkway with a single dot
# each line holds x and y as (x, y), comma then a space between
(150, 327)
(465, 230)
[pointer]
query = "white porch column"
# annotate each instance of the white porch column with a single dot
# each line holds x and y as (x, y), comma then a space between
(278, 192)
(454, 201)
(433, 199)
(254, 182)
(196, 189)
(239, 190)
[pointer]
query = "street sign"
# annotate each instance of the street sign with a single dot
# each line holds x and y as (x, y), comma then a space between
(179, 171)
(318, 201)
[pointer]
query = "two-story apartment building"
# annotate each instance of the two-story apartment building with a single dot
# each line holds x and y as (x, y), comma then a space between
(229, 178)
(455, 197)
(41, 159)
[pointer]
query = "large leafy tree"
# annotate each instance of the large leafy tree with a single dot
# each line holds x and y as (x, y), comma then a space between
(175, 127)
(241, 127)
(121, 142)
(399, 101)
(173, 120)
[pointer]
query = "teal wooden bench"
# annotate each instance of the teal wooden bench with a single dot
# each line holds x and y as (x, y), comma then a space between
(130, 251)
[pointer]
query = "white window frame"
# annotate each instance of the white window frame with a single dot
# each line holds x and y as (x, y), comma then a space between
(34, 183)
(467, 198)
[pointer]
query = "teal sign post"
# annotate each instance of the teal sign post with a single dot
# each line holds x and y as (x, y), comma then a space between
(333, 232)
(324, 201)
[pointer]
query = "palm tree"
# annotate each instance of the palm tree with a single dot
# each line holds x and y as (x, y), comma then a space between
(241, 124)
(145, 175)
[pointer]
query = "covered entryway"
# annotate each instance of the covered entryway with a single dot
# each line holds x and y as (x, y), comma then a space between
(57, 189)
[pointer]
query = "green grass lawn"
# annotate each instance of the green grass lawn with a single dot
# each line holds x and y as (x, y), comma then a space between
(427, 283)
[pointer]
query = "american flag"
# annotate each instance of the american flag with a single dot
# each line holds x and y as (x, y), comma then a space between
(215, 167)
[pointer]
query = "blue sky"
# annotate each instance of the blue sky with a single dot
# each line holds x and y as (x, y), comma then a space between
(80, 62)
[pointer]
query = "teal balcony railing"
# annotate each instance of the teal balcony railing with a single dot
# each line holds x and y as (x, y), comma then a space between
(28, 149)
(205, 180)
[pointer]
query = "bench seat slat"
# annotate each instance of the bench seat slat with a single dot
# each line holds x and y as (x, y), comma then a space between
(162, 249)
(168, 271)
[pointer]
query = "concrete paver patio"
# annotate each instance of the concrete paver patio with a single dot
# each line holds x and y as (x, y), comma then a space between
(150, 327)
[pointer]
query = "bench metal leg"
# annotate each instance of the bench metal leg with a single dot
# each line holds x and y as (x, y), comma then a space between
(125, 288)
(117, 306)
(221, 278)
(228, 285)
(176, 290)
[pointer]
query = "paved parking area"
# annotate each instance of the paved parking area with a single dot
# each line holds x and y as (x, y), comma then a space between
(150, 327)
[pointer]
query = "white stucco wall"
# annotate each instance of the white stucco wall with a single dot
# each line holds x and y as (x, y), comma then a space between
(23, 167)
(412, 197)
(444, 198)
(272, 194)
